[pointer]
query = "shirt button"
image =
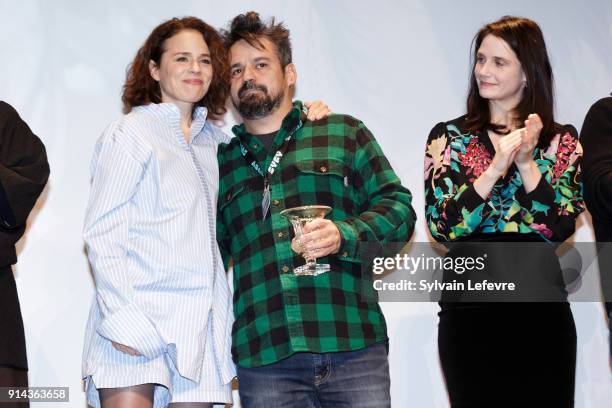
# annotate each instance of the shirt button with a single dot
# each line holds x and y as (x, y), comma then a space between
(229, 196)
(285, 268)
(280, 235)
(345, 254)
(255, 146)
(275, 202)
(323, 169)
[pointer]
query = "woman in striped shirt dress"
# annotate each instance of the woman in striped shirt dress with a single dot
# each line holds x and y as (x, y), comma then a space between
(159, 329)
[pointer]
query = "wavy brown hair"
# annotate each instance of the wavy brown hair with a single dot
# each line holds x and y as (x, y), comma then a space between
(526, 40)
(141, 89)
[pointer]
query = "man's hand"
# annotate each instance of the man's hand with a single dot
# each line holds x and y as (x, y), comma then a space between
(126, 350)
(317, 110)
(320, 238)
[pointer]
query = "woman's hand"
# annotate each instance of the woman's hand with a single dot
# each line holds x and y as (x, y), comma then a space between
(126, 350)
(529, 139)
(506, 152)
(317, 110)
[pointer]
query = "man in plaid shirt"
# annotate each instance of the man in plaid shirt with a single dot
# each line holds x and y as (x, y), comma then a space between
(302, 340)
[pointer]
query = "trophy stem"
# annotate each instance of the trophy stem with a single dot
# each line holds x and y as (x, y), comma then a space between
(311, 265)
(300, 216)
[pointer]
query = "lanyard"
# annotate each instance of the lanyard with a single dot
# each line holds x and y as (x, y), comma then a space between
(273, 163)
(282, 149)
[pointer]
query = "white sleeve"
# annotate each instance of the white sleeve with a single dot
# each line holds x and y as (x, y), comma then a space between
(116, 174)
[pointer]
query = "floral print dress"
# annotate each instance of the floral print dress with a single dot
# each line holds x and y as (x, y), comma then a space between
(454, 211)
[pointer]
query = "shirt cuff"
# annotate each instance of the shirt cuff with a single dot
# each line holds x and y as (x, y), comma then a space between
(349, 246)
(129, 326)
(469, 199)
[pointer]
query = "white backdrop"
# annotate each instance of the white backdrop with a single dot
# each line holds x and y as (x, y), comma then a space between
(400, 66)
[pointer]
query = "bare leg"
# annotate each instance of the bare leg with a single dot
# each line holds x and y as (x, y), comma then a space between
(137, 396)
(13, 377)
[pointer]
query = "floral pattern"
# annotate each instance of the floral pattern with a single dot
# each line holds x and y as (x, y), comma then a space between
(476, 159)
(455, 158)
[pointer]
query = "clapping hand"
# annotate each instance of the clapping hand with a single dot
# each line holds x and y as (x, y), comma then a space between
(506, 152)
(530, 135)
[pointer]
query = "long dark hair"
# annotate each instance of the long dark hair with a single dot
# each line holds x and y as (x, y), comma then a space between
(141, 89)
(526, 40)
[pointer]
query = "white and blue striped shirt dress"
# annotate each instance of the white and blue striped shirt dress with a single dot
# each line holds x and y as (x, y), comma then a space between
(161, 287)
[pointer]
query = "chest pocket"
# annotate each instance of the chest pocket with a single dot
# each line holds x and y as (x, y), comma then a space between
(327, 167)
(230, 203)
(324, 181)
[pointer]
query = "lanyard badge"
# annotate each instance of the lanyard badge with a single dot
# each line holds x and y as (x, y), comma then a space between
(265, 201)
(282, 149)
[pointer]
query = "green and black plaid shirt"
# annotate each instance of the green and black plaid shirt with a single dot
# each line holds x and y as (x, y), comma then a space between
(336, 162)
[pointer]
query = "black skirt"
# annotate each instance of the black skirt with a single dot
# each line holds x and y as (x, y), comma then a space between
(12, 338)
(509, 355)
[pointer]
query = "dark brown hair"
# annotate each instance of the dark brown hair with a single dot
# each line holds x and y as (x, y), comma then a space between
(250, 28)
(141, 89)
(526, 40)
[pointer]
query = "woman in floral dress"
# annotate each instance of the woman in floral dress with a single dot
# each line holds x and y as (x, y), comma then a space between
(506, 177)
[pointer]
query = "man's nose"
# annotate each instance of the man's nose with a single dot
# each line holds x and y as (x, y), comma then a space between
(248, 74)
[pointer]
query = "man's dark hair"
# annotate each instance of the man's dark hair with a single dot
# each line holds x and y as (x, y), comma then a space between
(250, 28)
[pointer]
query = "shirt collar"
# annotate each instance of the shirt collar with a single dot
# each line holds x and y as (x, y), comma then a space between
(169, 112)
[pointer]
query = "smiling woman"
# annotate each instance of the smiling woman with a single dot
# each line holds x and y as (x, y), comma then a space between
(499, 74)
(141, 88)
(159, 330)
(506, 172)
(185, 70)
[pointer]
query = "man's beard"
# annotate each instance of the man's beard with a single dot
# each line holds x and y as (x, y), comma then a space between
(255, 106)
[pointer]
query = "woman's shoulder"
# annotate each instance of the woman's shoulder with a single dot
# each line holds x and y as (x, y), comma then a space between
(565, 128)
(129, 132)
(138, 122)
(453, 126)
(563, 141)
(565, 133)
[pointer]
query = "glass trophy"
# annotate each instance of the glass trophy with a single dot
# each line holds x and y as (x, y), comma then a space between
(300, 216)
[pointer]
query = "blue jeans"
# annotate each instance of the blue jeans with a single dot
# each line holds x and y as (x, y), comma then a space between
(355, 379)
